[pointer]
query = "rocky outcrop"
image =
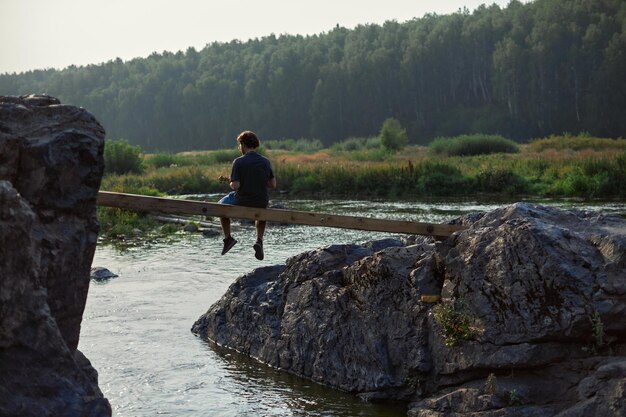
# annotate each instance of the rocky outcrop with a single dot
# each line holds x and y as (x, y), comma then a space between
(532, 320)
(51, 163)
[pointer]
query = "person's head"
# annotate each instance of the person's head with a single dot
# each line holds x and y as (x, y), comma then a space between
(248, 139)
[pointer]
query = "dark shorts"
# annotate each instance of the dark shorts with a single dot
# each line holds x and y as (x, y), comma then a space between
(228, 199)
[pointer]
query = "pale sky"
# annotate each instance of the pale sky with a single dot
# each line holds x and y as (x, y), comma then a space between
(39, 34)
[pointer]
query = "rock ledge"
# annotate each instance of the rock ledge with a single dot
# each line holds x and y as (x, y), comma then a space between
(51, 163)
(541, 291)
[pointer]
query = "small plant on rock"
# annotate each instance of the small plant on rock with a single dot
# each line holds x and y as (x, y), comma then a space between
(514, 398)
(598, 330)
(490, 384)
(456, 324)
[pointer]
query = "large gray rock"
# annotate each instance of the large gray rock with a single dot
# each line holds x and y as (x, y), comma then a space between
(533, 300)
(51, 163)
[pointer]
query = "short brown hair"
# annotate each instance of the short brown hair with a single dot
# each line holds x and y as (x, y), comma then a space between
(248, 139)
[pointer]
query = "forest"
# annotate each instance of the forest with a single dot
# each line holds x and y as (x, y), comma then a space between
(525, 71)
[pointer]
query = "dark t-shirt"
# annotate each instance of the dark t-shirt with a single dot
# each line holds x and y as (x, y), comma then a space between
(252, 171)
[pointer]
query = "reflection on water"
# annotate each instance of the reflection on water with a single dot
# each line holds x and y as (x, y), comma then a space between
(136, 328)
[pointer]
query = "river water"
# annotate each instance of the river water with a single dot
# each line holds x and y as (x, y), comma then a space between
(136, 327)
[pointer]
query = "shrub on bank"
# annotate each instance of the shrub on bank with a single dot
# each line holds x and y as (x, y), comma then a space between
(360, 149)
(356, 144)
(593, 178)
(375, 154)
(165, 160)
(388, 180)
(588, 174)
(162, 160)
(184, 180)
(115, 222)
(440, 179)
(171, 181)
(501, 180)
(223, 155)
(294, 145)
(120, 157)
(392, 136)
(468, 145)
(576, 143)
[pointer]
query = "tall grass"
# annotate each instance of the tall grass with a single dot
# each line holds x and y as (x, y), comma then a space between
(294, 145)
(120, 157)
(119, 223)
(467, 145)
(162, 160)
(576, 143)
(360, 168)
(172, 181)
(361, 149)
(593, 177)
(356, 144)
(382, 180)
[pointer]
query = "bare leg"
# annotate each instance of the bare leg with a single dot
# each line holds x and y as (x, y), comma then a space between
(258, 246)
(225, 221)
(229, 242)
(260, 230)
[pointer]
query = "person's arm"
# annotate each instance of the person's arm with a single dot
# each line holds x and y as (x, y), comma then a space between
(234, 176)
(271, 183)
(233, 184)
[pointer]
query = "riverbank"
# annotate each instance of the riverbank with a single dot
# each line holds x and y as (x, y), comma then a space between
(557, 167)
(553, 167)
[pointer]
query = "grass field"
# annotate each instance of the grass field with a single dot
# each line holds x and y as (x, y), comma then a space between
(564, 166)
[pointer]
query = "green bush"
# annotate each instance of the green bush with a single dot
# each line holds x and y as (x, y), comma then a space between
(121, 158)
(224, 155)
(163, 160)
(295, 145)
(593, 177)
(576, 143)
(376, 154)
(442, 184)
(576, 184)
(185, 180)
(308, 184)
(356, 144)
(115, 222)
(436, 178)
(467, 145)
(392, 136)
(501, 180)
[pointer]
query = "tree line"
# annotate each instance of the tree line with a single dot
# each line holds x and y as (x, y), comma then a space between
(523, 71)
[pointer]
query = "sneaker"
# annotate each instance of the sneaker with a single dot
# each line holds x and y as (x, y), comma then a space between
(258, 250)
(229, 242)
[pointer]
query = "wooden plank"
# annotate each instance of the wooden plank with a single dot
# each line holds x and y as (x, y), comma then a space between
(169, 205)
